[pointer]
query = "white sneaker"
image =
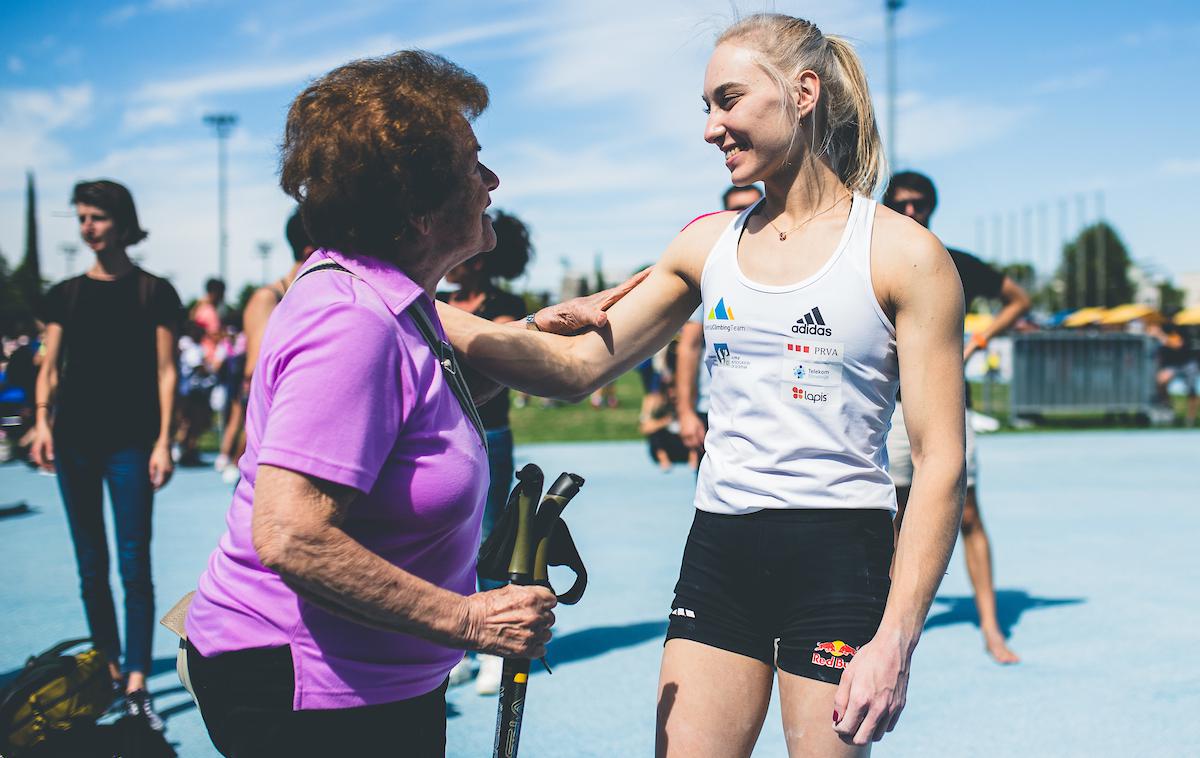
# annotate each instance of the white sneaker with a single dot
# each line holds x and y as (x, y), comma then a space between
(461, 673)
(487, 681)
(231, 475)
(221, 463)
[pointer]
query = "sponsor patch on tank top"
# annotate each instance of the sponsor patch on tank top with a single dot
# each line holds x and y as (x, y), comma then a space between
(811, 373)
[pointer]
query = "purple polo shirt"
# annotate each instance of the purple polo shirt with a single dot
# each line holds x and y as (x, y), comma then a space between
(348, 391)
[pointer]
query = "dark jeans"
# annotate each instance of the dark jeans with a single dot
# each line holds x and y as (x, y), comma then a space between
(81, 472)
(500, 465)
(245, 699)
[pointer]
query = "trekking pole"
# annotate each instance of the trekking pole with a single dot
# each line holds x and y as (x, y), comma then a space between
(529, 566)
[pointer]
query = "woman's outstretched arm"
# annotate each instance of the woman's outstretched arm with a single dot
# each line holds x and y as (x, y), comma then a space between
(570, 367)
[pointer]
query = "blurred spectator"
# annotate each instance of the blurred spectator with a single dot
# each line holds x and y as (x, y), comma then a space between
(105, 395)
(659, 423)
(1177, 360)
(254, 324)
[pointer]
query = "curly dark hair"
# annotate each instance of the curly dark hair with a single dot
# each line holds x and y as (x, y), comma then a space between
(114, 199)
(513, 249)
(376, 143)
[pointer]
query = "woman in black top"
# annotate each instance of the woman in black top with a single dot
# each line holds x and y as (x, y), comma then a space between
(479, 294)
(109, 375)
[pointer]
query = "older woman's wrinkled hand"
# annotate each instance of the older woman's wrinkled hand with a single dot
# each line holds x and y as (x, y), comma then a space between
(512, 621)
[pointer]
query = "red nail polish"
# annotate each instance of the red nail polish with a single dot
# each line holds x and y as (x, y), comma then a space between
(835, 717)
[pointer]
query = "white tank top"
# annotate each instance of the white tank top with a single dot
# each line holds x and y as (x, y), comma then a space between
(804, 380)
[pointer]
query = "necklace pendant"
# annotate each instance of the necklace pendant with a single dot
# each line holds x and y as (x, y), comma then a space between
(782, 236)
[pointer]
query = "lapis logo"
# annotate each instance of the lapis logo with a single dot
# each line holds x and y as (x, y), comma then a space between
(720, 313)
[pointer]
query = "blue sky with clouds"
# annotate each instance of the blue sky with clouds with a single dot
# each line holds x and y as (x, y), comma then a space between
(1015, 109)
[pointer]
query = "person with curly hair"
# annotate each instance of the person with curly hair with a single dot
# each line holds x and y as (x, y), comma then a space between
(343, 591)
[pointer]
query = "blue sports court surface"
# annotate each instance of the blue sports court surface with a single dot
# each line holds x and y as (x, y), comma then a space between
(1095, 544)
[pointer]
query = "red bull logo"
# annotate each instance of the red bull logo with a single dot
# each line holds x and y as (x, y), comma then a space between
(839, 653)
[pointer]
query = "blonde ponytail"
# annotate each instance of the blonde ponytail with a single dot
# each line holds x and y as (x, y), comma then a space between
(853, 131)
(849, 136)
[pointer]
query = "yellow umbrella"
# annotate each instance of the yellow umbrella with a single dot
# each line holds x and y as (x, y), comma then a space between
(1123, 314)
(1188, 316)
(1084, 316)
(977, 322)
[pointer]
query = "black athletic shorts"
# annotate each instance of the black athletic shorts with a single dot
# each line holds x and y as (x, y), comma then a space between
(815, 580)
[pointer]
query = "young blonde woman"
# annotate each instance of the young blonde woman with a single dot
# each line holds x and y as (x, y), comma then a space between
(817, 304)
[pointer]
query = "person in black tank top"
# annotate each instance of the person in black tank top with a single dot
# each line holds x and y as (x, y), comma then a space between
(914, 195)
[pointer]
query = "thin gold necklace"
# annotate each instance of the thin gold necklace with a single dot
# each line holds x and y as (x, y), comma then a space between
(783, 235)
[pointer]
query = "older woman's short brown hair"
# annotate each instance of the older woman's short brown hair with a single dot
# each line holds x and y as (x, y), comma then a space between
(376, 143)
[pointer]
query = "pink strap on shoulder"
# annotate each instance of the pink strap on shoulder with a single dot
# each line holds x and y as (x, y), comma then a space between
(697, 218)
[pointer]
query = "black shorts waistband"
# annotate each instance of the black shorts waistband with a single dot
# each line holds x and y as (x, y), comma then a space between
(803, 515)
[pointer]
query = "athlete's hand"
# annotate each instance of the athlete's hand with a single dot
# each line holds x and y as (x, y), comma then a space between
(41, 452)
(873, 691)
(588, 312)
(512, 622)
(692, 430)
(161, 465)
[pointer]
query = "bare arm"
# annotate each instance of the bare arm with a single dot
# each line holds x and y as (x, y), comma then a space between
(687, 367)
(161, 465)
(254, 322)
(927, 298)
(1016, 304)
(641, 323)
(296, 532)
(42, 451)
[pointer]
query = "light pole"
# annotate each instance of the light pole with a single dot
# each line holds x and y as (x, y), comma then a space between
(223, 123)
(69, 250)
(264, 251)
(891, 6)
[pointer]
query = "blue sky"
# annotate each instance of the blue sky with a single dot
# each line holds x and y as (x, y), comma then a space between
(595, 127)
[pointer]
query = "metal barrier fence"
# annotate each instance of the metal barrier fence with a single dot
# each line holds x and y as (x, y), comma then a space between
(1073, 372)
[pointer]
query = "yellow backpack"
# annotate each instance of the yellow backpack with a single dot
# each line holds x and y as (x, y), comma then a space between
(52, 694)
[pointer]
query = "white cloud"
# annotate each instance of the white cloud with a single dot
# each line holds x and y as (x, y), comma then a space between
(1181, 167)
(119, 15)
(255, 76)
(15, 65)
(1078, 80)
(933, 127)
(29, 119)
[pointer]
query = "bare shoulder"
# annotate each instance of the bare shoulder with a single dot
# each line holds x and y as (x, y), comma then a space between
(904, 253)
(689, 250)
(259, 307)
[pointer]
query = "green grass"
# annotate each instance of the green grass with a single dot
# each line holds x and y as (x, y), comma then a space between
(580, 421)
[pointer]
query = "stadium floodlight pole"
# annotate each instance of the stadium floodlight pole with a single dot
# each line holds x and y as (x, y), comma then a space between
(891, 7)
(223, 123)
(69, 250)
(264, 252)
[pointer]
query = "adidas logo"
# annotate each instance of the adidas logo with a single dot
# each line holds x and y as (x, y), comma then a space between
(684, 612)
(813, 324)
(720, 313)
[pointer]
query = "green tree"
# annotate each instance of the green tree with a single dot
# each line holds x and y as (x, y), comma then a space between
(1095, 269)
(1170, 298)
(28, 276)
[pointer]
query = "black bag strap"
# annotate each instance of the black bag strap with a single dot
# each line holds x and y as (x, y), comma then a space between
(444, 352)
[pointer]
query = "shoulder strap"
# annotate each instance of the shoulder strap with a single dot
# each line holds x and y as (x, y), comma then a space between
(445, 355)
(145, 288)
(441, 349)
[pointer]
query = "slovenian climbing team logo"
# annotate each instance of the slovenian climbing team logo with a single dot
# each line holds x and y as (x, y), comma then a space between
(719, 312)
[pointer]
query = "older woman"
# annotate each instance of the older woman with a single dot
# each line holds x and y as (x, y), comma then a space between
(343, 591)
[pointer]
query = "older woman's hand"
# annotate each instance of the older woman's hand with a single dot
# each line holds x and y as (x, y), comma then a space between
(512, 622)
